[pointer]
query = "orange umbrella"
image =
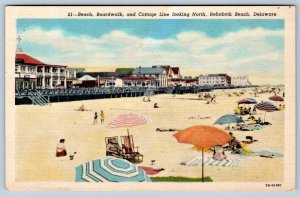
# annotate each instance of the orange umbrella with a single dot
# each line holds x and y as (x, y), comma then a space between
(203, 136)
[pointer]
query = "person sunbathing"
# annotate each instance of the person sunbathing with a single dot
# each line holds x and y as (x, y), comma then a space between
(219, 153)
(113, 149)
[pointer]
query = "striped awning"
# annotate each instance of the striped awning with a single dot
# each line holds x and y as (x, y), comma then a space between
(128, 120)
(266, 106)
(110, 169)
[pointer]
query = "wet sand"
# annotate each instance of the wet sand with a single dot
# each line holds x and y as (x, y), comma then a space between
(38, 130)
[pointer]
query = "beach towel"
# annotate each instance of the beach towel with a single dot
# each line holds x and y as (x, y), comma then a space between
(196, 161)
(151, 171)
(262, 153)
(255, 127)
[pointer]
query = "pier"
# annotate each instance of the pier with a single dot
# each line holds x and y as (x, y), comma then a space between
(46, 96)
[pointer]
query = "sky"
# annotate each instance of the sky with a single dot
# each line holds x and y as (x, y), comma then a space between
(236, 47)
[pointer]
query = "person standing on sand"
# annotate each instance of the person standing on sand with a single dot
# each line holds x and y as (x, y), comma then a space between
(95, 118)
(61, 149)
(102, 116)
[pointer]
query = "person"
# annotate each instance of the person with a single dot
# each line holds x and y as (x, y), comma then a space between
(113, 148)
(144, 99)
(155, 105)
(237, 110)
(281, 107)
(219, 153)
(61, 149)
(102, 116)
(236, 146)
(258, 121)
(82, 108)
(95, 118)
(254, 111)
(148, 99)
(252, 120)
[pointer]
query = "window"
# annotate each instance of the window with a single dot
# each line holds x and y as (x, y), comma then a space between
(23, 68)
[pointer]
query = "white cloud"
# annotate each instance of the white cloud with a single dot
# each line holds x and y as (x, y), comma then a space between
(243, 51)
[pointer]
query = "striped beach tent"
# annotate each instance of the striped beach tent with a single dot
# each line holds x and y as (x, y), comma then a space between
(110, 169)
(267, 107)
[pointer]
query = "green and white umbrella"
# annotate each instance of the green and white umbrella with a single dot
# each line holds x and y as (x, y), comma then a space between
(110, 169)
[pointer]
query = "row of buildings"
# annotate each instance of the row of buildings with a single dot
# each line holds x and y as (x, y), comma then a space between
(31, 73)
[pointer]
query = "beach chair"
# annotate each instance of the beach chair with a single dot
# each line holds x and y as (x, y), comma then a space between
(113, 148)
(131, 152)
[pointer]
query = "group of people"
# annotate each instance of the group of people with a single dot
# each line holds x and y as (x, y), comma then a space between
(245, 111)
(234, 146)
(146, 100)
(101, 117)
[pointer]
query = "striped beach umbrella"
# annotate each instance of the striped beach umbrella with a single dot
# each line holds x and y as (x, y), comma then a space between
(128, 120)
(247, 101)
(267, 107)
(110, 169)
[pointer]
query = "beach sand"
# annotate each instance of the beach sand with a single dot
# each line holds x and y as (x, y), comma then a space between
(38, 130)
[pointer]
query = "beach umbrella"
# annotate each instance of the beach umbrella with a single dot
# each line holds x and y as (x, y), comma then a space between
(276, 98)
(128, 120)
(110, 169)
(203, 136)
(229, 118)
(247, 101)
(267, 107)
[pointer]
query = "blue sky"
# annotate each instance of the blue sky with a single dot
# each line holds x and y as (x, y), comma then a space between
(250, 47)
(147, 28)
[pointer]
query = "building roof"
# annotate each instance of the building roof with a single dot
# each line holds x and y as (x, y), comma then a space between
(27, 59)
(166, 67)
(87, 78)
(124, 70)
(148, 70)
(139, 79)
(102, 74)
(175, 70)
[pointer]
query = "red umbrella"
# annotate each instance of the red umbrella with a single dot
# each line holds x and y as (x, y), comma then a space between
(203, 136)
(276, 98)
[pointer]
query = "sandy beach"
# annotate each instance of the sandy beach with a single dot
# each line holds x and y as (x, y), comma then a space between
(38, 130)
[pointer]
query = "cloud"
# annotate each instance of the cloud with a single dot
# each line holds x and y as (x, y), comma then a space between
(247, 51)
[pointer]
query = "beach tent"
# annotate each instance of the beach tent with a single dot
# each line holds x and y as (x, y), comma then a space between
(110, 169)
(203, 136)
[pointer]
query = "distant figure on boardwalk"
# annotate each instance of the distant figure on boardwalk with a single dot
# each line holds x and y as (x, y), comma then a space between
(60, 149)
(95, 118)
(155, 105)
(149, 99)
(102, 116)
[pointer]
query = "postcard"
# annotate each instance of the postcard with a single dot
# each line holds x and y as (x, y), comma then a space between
(150, 98)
